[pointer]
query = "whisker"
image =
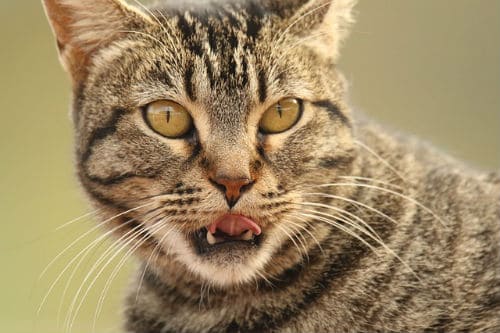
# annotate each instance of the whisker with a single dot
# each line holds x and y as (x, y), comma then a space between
(347, 221)
(157, 248)
(373, 180)
(307, 231)
(355, 202)
(200, 302)
(285, 231)
(381, 159)
(344, 229)
(87, 248)
(380, 242)
(86, 251)
(403, 196)
(263, 277)
(73, 221)
(81, 256)
(86, 234)
(162, 223)
(130, 236)
(365, 226)
(300, 238)
(104, 255)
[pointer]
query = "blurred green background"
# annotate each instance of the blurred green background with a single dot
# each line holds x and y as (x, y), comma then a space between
(430, 68)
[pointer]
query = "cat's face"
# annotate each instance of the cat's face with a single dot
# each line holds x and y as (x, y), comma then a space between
(206, 127)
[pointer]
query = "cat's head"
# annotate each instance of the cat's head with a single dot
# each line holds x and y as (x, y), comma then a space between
(205, 126)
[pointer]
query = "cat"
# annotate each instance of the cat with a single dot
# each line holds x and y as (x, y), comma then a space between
(216, 139)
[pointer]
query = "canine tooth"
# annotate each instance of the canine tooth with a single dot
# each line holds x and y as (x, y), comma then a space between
(248, 235)
(211, 238)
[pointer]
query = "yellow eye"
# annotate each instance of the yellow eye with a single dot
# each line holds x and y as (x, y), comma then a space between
(281, 116)
(169, 119)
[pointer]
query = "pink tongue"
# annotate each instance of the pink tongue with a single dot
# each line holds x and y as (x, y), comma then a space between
(234, 225)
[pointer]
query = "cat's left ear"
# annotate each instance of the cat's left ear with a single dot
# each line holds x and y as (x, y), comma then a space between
(83, 26)
(325, 22)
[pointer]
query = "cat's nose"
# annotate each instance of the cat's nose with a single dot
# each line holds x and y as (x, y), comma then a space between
(232, 187)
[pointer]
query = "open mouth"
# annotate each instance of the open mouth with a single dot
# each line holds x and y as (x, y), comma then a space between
(229, 232)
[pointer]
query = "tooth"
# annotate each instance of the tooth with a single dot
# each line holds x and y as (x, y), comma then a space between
(211, 238)
(248, 235)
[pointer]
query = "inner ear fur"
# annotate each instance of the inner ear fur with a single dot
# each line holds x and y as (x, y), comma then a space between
(326, 22)
(81, 27)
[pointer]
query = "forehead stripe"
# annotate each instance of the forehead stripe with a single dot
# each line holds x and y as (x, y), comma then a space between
(188, 82)
(262, 87)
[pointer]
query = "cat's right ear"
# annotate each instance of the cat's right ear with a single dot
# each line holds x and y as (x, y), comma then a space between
(83, 26)
(325, 23)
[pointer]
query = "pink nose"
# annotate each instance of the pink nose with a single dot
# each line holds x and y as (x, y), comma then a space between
(232, 187)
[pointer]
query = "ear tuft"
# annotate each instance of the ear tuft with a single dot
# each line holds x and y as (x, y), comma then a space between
(343, 17)
(83, 26)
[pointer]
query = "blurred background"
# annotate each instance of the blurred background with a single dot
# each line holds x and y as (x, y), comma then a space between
(430, 68)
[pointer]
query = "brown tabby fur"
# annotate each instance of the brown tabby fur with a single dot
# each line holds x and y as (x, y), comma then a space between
(363, 230)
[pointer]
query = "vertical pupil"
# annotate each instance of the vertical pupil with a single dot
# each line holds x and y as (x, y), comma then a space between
(168, 114)
(279, 108)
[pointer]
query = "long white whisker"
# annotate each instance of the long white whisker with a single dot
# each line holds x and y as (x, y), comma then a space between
(307, 231)
(381, 159)
(342, 228)
(132, 231)
(403, 196)
(262, 276)
(373, 180)
(82, 255)
(163, 223)
(300, 238)
(343, 213)
(67, 224)
(156, 249)
(346, 220)
(285, 231)
(128, 237)
(355, 202)
(380, 242)
(88, 247)
(86, 234)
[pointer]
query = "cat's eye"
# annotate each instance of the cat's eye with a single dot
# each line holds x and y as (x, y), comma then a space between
(281, 116)
(168, 118)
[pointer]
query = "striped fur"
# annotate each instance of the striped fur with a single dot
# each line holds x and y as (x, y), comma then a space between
(362, 230)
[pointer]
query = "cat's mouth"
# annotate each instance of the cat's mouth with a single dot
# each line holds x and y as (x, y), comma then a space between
(229, 232)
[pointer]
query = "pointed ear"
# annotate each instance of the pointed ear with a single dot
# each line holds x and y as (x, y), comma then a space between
(326, 22)
(83, 26)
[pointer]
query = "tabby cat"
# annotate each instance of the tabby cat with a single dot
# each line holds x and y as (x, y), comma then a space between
(215, 139)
